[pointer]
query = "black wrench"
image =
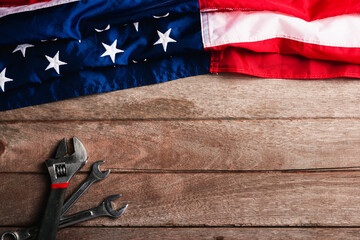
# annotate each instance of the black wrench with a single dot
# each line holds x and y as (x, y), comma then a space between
(104, 209)
(61, 169)
(94, 176)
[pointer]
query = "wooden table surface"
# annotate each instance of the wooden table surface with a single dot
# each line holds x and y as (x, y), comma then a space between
(206, 157)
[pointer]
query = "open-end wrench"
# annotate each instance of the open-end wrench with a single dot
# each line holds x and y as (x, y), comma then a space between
(61, 169)
(94, 176)
(104, 209)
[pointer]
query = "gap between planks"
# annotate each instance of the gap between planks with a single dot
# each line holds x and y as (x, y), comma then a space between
(176, 120)
(4, 228)
(161, 171)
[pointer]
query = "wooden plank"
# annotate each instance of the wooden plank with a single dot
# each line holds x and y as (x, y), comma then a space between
(209, 233)
(206, 233)
(80, 233)
(209, 96)
(199, 200)
(188, 145)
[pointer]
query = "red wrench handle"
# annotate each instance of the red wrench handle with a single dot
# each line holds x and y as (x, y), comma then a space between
(50, 220)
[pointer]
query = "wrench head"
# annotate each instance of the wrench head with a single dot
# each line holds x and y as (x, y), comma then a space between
(11, 235)
(20, 234)
(108, 206)
(63, 167)
(95, 171)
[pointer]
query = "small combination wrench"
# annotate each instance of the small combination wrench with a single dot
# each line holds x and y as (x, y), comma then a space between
(104, 209)
(94, 176)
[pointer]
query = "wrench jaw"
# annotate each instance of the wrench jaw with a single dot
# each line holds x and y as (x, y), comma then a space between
(111, 212)
(121, 211)
(61, 150)
(62, 168)
(97, 172)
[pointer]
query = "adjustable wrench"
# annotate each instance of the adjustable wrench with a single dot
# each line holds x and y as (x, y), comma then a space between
(104, 209)
(94, 176)
(61, 169)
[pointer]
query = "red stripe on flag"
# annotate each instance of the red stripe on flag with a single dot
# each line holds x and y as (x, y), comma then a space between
(308, 50)
(14, 3)
(272, 65)
(305, 9)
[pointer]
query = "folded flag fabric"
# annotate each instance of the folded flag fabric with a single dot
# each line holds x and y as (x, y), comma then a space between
(283, 38)
(53, 50)
(57, 49)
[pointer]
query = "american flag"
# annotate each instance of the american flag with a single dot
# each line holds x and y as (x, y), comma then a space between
(56, 49)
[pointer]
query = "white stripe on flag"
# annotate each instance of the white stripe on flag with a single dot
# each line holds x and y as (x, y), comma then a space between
(221, 28)
(4, 11)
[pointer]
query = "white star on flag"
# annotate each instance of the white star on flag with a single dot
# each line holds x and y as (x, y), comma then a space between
(111, 50)
(55, 63)
(4, 79)
(22, 48)
(104, 29)
(136, 25)
(164, 39)
(163, 16)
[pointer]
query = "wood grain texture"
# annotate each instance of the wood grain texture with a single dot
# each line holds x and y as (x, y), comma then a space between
(188, 145)
(205, 233)
(209, 96)
(200, 200)
(208, 157)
